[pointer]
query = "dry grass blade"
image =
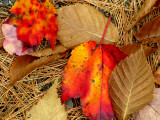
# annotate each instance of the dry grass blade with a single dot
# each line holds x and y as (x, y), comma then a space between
(150, 31)
(146, 7)
(1, 35)
(132, 48)
(28, 90)
(131, 85)
(80, 23)
(49, 51)
(23, 65)
(48, 108)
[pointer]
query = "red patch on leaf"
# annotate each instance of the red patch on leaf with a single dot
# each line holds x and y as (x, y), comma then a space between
(35, 20)
(87, 74)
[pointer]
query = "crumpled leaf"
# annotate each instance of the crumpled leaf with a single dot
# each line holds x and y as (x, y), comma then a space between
(131, 85)
(35, 19)
(157, 76)
(11, 43)
(146, 7)
(132, 48)
(152, 110)
(80, 23)
(23, 65)
(86, 76)
(48, 108)
(49, 51)
(150, 32)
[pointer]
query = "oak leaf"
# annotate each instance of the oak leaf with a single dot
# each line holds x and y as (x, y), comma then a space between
(131, 85)
(80, 23)
(152, 110)
(35, 19)
(11, 43)
(48, 108)
(86, 76)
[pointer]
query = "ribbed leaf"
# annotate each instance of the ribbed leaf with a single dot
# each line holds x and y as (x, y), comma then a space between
(80, 23)
(131, 85)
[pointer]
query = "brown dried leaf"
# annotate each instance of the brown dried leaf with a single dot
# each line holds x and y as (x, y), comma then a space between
(48, 108)
(151, 111)
(150, 31)
(49, 51)
(23, 65)
(80, 23)
(131, 85)
(132, 48)
(146, 7)
(157, 76)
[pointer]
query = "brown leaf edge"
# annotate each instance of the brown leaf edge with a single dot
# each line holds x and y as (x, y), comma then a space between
(23, 65)
(132, 48)
(48, 51)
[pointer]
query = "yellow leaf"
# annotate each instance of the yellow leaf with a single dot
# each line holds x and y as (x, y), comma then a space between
(48, 108)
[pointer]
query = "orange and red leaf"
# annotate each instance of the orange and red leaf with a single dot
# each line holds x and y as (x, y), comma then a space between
(35, 20)
(86, 76)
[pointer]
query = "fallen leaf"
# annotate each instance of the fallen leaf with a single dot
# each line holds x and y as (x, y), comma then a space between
(11, 43)
(149, 32)
(132, 48)
(146, 7)
(80, 23)
(35, 19)
(48, 108)
(49, 51)
(23, 65)
(157, 76)
(86, 76)
(152, 110)
(131, 85)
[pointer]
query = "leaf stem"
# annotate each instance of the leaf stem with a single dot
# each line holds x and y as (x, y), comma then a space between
(104, 33)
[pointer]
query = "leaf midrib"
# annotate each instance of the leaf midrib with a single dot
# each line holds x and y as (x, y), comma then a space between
(130, 91)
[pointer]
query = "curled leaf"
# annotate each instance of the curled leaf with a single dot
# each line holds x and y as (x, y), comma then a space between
(131, 85)
(80, 23)
(146, 7)
(150, 32)
(23, 65)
